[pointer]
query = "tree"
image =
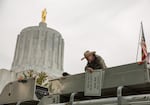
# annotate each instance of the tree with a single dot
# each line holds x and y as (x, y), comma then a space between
(41, 78)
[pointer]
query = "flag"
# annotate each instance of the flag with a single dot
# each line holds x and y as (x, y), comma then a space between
(143, 46)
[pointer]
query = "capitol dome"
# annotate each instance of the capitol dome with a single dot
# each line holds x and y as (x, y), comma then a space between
(39, 48)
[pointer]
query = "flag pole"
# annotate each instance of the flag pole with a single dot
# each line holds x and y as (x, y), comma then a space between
(138, 43)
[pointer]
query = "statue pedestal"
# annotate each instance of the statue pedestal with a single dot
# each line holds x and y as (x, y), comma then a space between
(43, 25)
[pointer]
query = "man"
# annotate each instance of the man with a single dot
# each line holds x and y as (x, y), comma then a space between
(93, 61)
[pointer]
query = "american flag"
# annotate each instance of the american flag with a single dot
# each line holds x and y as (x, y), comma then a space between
(143, 45)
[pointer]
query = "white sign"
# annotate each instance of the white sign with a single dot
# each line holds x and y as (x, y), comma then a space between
(93, 83)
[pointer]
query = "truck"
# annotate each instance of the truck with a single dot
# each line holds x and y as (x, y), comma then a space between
(121, 85)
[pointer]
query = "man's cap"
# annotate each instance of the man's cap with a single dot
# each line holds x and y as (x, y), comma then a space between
(87, 54)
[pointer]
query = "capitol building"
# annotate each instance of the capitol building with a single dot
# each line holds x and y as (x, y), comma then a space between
(38, 49)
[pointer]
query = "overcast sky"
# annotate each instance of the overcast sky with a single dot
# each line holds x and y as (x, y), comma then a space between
(109, 27)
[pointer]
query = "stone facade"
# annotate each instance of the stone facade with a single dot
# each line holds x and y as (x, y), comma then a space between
(39, 48)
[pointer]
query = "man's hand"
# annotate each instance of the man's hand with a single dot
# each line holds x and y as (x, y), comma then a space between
(89, 70)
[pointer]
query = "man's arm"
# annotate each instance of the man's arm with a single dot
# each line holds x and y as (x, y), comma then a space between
(86, 67)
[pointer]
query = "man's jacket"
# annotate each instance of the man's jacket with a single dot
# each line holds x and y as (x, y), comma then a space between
(98, 63)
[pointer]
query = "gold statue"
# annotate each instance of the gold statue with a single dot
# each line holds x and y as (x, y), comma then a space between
(44, 13)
